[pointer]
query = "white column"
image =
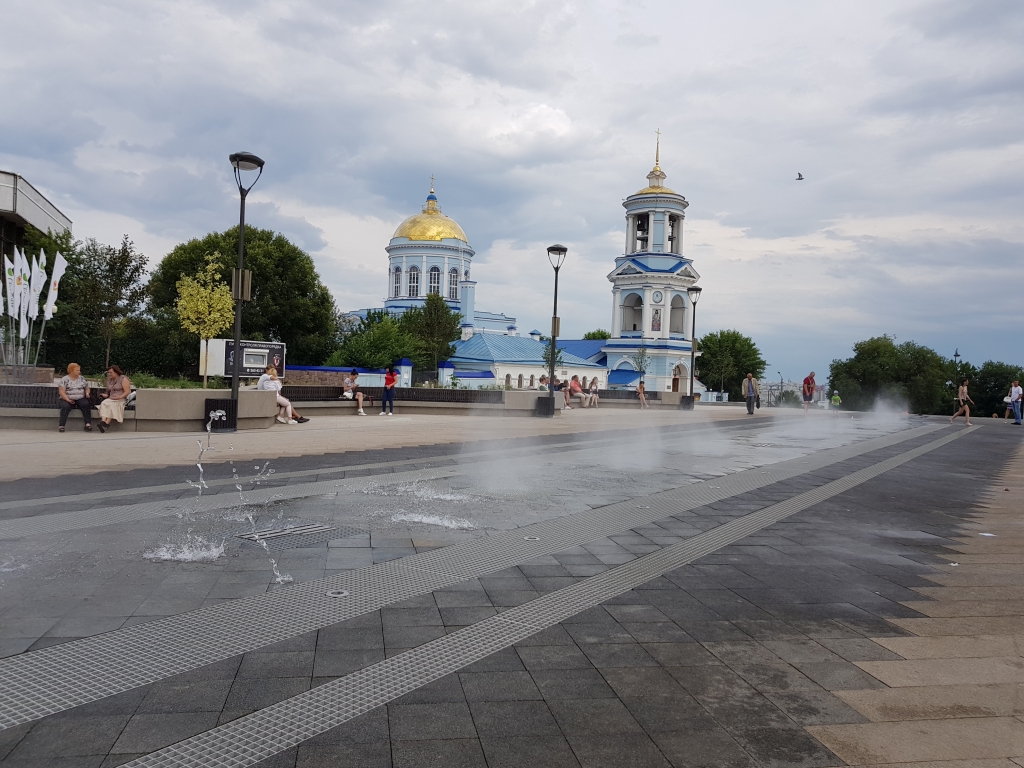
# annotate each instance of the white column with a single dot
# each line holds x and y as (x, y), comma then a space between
(630, 234)
(646, 327)
(666, 310)
(616, 313)
(444, 278)
(650, 232)
(404, 288)
(424, 280)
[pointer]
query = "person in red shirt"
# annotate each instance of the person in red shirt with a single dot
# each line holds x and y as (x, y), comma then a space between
(390, 382)
(808, 391)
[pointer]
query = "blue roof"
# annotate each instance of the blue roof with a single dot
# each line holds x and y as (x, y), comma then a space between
(588, 349)
(646, 268)
(485, 348)
(474, 375)
(623, 377)
(535, 332)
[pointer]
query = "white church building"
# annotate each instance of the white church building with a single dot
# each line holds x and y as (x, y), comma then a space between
(652, 315)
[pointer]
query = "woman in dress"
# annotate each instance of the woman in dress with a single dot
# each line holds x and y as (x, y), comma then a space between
(593, 393)
(115, 398)
(641, 393)
(965, 402)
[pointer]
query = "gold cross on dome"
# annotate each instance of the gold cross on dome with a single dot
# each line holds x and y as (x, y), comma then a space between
(431, 183)
(657, 151)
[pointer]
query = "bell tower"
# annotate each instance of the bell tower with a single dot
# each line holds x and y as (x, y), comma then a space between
(651, 313)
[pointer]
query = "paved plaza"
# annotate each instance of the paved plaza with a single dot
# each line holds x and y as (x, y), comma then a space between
(607, 588)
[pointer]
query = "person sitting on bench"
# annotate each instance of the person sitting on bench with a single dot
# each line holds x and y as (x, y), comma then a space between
(351, 384)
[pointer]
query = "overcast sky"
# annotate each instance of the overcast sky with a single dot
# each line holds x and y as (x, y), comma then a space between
(538, 119)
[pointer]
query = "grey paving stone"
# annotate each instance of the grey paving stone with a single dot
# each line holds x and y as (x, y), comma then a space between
(597, 717)
(504, 660)
(338, 638)
(68, 737)
(268, 665)
(631, 682)
(814, 707)
(839, 676)
(617, 655)
(504, 719)
(499, 686)
(193, 696)
(420, 722)
(609, 632)
(451, 753)
(554, 657)
(447, 689)
(149, 732)
(703, 744)
(535, 752)
(339, 663)
(253, 694)
(784, 746)
(410, 637)
(680, 654)
(859, 649)
(635, 750)
(377, 755)
(571, 684)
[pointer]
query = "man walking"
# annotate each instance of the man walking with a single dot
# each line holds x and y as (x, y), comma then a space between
(752, 391)
(808, 391)
(1015, 400)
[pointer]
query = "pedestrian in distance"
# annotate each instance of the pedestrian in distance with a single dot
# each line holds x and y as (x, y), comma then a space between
(73, 391)
(641, 392)
(1015, 400)
(351, 384)
(594, 392)
(388, 398)
(115, 398)
(751, 391)
(542, 384)
(836, 402)
(965, 403)
(807, 390)
(286, 413)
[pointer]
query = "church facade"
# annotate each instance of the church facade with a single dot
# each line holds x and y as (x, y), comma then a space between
(652, 316)
(430, 253)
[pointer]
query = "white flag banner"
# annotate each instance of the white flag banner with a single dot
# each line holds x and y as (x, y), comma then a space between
(59, 265)
(10, 281)
(36, 284)
(23, 292)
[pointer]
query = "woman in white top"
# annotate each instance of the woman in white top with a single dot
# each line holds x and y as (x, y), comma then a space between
(286, 414)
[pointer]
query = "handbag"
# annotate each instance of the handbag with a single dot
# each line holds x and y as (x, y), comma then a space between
(757, 401)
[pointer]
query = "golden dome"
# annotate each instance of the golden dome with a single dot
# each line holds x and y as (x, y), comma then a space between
(431, 224)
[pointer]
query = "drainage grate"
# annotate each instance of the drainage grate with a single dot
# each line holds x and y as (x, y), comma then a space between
(250, 739)
(300, 535)
(62, 676)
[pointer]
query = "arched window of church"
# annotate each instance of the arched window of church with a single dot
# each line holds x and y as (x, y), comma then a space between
(435, 280)
(453, 284)
(533, 381)
(414, 282)
(508, 381)
(520, 381)
(398, 282)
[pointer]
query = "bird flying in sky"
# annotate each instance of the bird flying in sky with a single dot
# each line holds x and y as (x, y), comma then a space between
(799, 177)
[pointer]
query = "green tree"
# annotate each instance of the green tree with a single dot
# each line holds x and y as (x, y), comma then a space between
(204, 305)
(436, 326)
(641, 359)
(597, 333)
(990, 385)
(726, 357)
(907, 374)
(289, 302)
(378, 341)
(549, 350)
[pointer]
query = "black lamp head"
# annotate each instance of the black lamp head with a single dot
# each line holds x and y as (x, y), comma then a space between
(556, 255)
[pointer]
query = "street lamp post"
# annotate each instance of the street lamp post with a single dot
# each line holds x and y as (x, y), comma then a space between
(694, 293)
(556, 255)
(241, 161)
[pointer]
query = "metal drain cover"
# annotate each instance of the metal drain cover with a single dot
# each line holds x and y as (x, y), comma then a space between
(297, 535)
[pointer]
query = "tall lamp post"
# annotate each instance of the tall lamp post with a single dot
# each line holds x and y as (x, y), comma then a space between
(694, 293)
(241, 161)
(556, 255)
